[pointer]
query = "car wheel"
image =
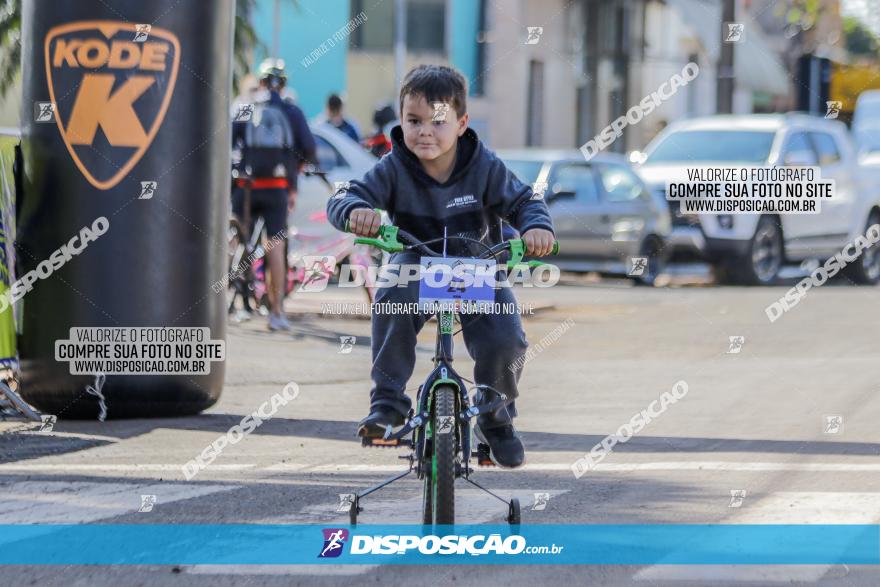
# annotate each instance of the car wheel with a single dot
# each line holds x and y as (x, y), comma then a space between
(762, 261)
(865, 270)
(655, 250)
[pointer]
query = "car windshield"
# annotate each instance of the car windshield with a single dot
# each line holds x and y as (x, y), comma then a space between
(867, 113)
(868, 138)
(525, 170)
(714, 146)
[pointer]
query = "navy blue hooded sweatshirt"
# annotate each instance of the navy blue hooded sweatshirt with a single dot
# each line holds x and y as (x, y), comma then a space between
(480, 193)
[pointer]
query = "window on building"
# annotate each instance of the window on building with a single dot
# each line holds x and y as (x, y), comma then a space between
(535, 105)
(477, 84)
(377, 32)
(609, 29)
(425, 26)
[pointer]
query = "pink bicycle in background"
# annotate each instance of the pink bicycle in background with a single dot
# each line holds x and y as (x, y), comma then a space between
(306, 245)
(306, 250)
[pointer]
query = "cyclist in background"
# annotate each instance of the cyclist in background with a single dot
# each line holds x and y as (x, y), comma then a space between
(273, 141)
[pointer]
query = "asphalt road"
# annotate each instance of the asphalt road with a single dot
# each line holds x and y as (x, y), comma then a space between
(786, 418)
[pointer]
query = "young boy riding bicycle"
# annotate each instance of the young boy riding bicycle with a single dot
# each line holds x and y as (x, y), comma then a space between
(440, 180)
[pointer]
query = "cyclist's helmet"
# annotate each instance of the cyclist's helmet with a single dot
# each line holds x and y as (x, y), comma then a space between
(272, 72)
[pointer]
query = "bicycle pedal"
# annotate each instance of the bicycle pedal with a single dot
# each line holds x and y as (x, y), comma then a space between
(482, 454)
(382, 443)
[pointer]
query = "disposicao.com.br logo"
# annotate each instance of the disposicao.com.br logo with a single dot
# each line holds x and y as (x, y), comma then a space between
(453, 544)
(334, 541)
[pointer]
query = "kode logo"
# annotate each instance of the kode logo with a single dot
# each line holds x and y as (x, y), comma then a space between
(122, 91)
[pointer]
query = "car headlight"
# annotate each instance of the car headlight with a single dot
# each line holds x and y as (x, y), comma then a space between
(725, 221)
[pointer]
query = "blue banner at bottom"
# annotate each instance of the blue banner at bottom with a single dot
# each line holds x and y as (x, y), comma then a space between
(625, 544)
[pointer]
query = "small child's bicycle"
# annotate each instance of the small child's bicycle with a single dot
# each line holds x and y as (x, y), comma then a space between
(439, 430)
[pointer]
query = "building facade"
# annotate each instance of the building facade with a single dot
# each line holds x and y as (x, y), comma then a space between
(543, 73)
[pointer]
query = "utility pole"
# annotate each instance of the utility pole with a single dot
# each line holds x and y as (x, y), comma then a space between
(276, 29)
(399, 42)
(724, 98)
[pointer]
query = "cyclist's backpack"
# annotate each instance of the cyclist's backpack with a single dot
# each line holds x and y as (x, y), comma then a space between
(268, 142)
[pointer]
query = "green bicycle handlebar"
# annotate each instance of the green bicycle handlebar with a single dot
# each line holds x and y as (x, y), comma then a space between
(387, 237)
(386, 240)
(518, 251)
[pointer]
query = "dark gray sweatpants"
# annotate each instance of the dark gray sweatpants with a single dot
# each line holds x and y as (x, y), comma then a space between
(494, 342)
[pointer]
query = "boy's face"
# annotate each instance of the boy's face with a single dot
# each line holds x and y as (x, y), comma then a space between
(430, 132)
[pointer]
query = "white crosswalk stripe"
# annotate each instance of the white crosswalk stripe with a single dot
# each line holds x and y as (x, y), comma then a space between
(726, 466)
(792, 507)
(79, 502)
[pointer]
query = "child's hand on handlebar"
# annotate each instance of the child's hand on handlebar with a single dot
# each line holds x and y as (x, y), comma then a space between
(364, 222)
(539, 242)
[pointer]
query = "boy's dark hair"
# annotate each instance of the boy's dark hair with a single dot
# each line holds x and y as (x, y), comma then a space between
(334, 103)
(437, 83)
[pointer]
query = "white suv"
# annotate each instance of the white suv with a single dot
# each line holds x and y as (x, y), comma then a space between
(751, 248)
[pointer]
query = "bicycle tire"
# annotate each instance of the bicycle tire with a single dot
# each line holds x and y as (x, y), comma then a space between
(428, 500)
(443, 458)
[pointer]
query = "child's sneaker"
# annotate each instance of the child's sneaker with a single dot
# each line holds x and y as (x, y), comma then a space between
(505, 447)
(374, 425)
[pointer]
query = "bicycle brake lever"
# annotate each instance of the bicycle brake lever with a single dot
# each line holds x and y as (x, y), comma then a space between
(386, 241)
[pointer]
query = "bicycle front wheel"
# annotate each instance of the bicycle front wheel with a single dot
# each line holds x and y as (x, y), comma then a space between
(443, 429)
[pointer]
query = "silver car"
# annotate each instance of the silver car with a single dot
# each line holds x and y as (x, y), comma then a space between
(604, 215)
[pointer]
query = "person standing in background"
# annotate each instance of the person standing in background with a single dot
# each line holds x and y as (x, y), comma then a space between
(335, 117)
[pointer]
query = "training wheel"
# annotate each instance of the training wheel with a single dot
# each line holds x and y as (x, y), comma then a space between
(513, 512)
(354, 510)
